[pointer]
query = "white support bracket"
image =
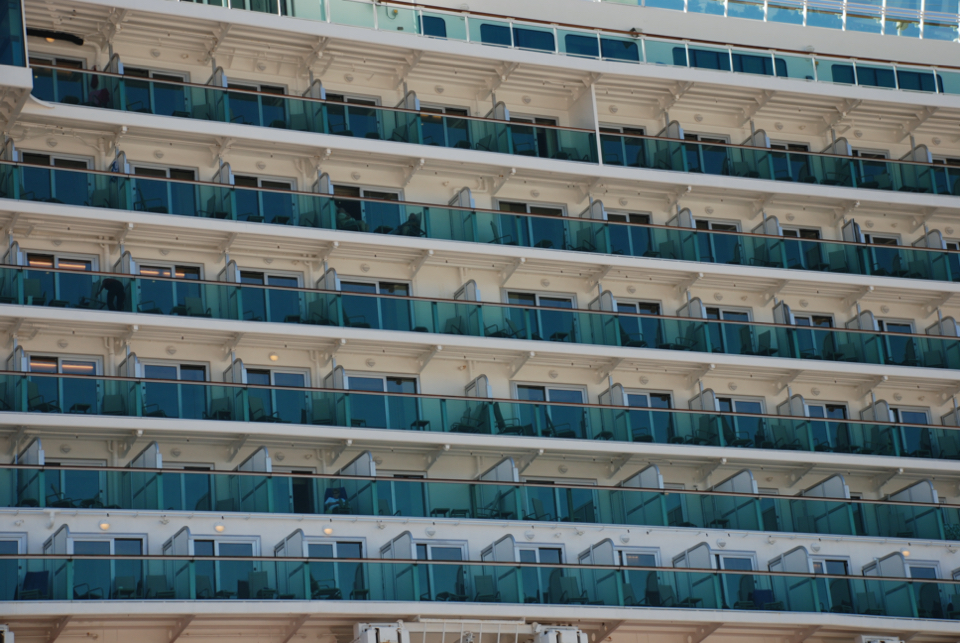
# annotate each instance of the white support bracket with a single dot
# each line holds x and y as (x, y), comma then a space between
(324, 255)
(617, 464)
(306, 62)
(702, 632)
(525, 464)
(802, 635)
(844, 109)
(790, 379)
(676, 93)
(924, 218)
(595, 279)
(334, 349)
(775, 290)
(853, 299)
(223, 28)
(841, 213)
(882, 479)
(872, 384)
(180, 627)
(940, 301)
(15, 440)
(427, 357)
(707, 470)
(338, 451)
(435, 455)
(674, 200)
(924, 115)
(124, 232)
(760, 102)
(232, 344)
(503, 74)
(12, 223)
(57, 628)
(801, 473)
(420, 261)
(685, 285)
(124, 446)
(502, 180)
(698, 374)
(127, 336)
(228, 243)
(410, 65)
(605, 371)
(607, 631)
(412, 171)
(520, 363)
(510, 270)
(14, 331)
(946, 394)
(236, 445)
(586, 189)
(761, 204)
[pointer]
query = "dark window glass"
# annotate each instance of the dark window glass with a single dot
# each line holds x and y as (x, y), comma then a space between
(619, 50)
(495, 35)
(581, 46)
(533, 39)
(434, 26)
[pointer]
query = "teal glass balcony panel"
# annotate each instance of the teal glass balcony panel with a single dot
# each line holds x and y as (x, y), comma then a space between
(205, 102)
(209, 103)
(80, 577)
(12, 34)
(171, 490)
(902, 18)
(125, 397)
(256, 303)
(212, 200)
(776, 165)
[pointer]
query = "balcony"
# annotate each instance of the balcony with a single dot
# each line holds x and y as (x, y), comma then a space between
(312, 210)
(247, 107)
(78, 577)
(172, 490)
(255, 303)
(143, 398)
(636, 48)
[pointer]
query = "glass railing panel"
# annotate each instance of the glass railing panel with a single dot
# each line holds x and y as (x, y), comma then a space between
(404, 411)
(392, 18)
(12, 50)
(348, 12)
(303, 494)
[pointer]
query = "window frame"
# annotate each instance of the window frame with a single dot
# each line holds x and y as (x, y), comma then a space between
(149, 361)
(381, 375)
(514, 390)
(97, 359)
(89, 160)
(564, 211)
(538, 294)
(58, 256)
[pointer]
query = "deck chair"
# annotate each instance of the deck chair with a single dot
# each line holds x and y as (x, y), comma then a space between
(220, 409)
(36, 586)
(501, 239)
(325, 589)
(358, 591)
(487, 590)
(563, 430)
(194, 306)
(83, 592)
(867, 603)
(471, 421)
(411, 227)
(570, 593)
(383, 506)
(114, 404)
(745, 594)
(36, 401)
(317, 314)
(259, 414)
(125, 587)
(33, 293)
(685, 343)
(156, 587)
(204, 587)
(509, 427)
(459, 592)
(631, 339)
(260, 586)
(538, 512)
(454, 326)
